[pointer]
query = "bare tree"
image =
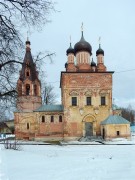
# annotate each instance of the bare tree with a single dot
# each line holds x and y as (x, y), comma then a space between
(129, 114)
(48, 95)
(17, 15)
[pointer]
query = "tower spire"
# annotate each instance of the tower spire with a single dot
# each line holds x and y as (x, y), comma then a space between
(82, 29)
(27, 36)
(99, 41)
(27, 43)
(70, 40)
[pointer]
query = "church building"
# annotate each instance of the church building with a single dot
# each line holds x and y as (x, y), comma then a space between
(86, 96)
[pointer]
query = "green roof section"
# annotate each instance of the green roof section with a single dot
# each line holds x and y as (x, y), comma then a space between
(50, 108)
(115, 119)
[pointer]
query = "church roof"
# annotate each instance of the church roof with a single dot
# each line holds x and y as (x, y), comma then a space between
(70, 50)
(50, 108)
(115, 119)
(28, 63)
(99, 51)
(82, 45)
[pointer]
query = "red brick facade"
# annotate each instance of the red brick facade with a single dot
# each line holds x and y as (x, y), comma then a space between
(86, 89)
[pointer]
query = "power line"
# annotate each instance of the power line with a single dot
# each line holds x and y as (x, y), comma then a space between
(115, 72)
(125, 71)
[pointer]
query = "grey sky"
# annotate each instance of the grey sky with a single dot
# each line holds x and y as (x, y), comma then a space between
(113, 20)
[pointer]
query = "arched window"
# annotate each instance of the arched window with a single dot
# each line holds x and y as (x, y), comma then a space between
(52, 118)
(27, 73)
(43, 119)
(28, 126)
(35, 90)
(27, 89)
(60, 118)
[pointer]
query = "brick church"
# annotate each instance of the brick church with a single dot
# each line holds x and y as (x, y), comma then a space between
(86, 96)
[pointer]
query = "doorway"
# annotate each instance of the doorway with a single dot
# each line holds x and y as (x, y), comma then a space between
(103, 133)
(88, 129)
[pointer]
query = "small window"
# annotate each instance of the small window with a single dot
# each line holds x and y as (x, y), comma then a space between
(88, 101)
(52, 118)
(103, 100)
(28, 126)
(27, 73)
(27, 89)
(118, 133)
(74, 101)
(60, 118)
(35, 90)
(43, 119)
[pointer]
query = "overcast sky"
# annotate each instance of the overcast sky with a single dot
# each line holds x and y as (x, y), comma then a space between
(113, 21)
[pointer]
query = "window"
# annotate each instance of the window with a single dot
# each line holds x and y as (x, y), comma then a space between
(35, 90)
(118, 133)
(27, 73)
(52, 118)
(60, 118)
(27, 89)
(74, 101)
(103, 100)
(28, 126)
(43, 119)
(88, 101)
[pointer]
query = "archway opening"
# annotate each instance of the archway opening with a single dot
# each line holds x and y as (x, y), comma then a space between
(89, 126)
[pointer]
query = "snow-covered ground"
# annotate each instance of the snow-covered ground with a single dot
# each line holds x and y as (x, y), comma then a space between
(71, 162)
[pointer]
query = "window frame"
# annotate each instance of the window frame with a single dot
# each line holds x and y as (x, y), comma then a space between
(103, 100)
(74, 101)
(88, 103)
(118, 133)
(35, 90)
(52, 119)
(60, 118)
(27, 73)
(27, 89)
(28, 126)
(43, 119)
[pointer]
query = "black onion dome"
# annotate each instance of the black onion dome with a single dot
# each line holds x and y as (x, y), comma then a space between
(27, 42)
(99, 51)
(93, 63)
(83, 45)
(70, 50)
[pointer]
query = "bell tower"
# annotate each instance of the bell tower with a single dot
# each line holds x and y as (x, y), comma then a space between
(28, 84)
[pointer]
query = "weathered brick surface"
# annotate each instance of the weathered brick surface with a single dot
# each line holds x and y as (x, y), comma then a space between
(82, 85)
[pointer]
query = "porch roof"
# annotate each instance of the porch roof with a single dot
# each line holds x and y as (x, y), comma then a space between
(115, 119)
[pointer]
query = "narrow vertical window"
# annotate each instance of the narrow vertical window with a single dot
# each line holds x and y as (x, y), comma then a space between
(74, 101)
(27, 73)
(118, 133)
(52, 118)
(35, 90)
(43, 119)
(28, 126)
(103, 100)
(60, 118)
(88, 101)
(27, 89)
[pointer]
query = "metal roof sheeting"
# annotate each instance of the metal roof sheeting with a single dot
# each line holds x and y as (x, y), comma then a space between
(115, 119)
(50, 108)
